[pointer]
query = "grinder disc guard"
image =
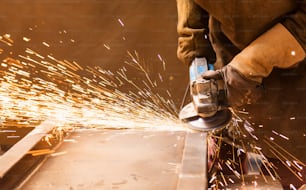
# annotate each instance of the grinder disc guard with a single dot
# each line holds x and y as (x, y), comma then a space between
(195, 122)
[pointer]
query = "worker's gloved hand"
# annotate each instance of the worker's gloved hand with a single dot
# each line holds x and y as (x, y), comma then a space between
(239, 89)
(244, 74)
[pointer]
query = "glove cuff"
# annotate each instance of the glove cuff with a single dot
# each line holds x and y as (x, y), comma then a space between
(275, 48)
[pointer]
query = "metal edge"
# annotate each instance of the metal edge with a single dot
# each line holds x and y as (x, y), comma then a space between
(193, 172)
(17, 152)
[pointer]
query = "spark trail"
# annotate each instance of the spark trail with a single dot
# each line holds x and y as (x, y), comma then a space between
(228, 151)
(34, 87)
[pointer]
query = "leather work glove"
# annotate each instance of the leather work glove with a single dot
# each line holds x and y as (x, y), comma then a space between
(244, 74)
(239, 89)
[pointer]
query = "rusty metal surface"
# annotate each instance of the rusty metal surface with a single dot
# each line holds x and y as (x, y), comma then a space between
(97, 159)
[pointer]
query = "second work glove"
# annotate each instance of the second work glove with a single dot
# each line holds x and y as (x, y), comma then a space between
(244, 74)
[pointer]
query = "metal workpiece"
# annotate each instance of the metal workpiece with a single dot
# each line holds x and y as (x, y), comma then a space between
(113, 159)
(136, 160)
(16, 152)
(110, 159)
(23, 154)
(193, 173)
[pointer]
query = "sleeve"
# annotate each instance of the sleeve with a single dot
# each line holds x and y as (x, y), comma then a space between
(282, 46)
(192, 28)
(296, 23)
(276, 47)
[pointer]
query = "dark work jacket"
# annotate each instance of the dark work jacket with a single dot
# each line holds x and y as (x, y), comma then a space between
(233, 24)
(243, 20)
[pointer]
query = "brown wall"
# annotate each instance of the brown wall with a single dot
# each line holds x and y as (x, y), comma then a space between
(149, 28)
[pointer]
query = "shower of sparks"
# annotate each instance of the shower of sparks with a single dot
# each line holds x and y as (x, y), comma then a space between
(228, 167)
(34, 87)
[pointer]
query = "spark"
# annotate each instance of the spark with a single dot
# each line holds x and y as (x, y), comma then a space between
(12, 136)
(40, 152)
(280, 135)
(46, 44)
(70, 140)
(162, 60)
(59, 153)
(26, 39)
(120, 21)
(231, 180)
(30, 51)
(6, 40)
(283, 136)
(292, 187)
(106, 46)
(295, 162)
(7, 131)
(241, 170)
(224, 180)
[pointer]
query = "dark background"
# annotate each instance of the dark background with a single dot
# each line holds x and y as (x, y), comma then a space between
(79, 30)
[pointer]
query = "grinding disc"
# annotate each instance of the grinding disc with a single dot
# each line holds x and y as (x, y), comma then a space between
(195, 122)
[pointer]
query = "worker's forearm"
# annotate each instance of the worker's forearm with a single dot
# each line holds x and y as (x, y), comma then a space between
(275, 48)
(192, 31)
(296, 23)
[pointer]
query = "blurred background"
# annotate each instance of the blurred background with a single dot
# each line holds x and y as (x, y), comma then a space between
(100, 32)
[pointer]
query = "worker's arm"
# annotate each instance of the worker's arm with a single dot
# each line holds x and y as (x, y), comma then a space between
(192, 31)
(296, 23)
(282, 46)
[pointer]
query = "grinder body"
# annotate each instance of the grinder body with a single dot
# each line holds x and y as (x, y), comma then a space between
(203, 92)
(207, 110)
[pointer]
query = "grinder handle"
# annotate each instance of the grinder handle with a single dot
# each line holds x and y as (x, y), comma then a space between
(199, 66)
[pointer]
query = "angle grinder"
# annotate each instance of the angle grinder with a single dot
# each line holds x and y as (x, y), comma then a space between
(207, 110)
